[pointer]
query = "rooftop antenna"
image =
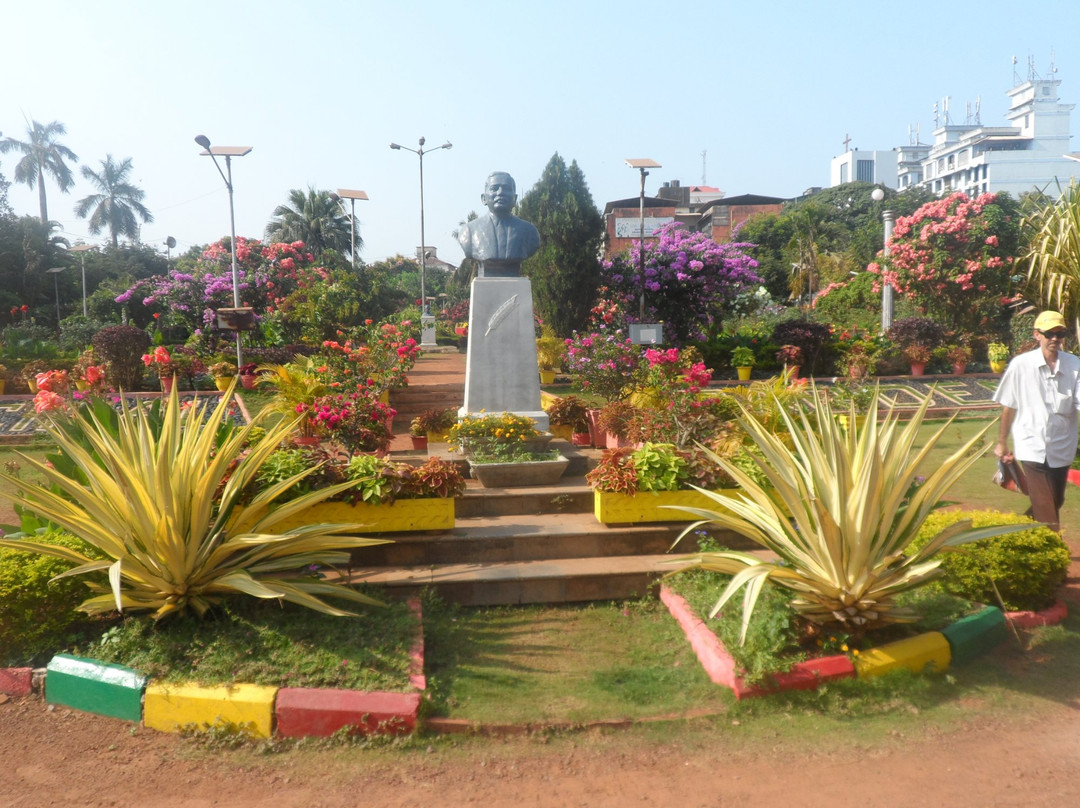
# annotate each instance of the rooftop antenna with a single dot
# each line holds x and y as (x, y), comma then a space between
(937, 123)
(978, 110)
(1016, 76)
(703, 153)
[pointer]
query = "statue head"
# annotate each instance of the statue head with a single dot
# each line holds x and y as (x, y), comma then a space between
(500, 193)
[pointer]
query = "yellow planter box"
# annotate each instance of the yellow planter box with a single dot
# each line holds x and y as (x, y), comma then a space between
(644, 506)
(170, 708)
(404, 515)
(930, 650)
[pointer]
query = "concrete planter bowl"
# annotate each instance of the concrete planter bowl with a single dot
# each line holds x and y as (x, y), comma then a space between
(512, 475)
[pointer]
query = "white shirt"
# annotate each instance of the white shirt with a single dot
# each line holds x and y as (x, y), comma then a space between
(1046, 404)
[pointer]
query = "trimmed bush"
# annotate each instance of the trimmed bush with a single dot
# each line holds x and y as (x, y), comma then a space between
(121, 348)
(1026, 567)
(34, 614)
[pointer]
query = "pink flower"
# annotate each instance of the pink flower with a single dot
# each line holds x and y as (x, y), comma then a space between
(46, 401)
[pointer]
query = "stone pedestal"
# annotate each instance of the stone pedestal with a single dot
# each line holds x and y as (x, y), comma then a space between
(427, 330)
(501, 370)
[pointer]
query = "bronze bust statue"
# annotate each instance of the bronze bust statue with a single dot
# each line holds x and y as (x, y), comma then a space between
(499, 241)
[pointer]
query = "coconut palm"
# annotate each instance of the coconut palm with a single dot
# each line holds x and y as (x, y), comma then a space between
(1053, 256)
(118, 203)
(42, 155)
(315, 219)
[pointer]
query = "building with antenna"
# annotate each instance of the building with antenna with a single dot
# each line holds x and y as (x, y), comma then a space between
(1031, 153)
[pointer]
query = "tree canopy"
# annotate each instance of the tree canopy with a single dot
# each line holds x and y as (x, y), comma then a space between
(315, 219)
(118, 204)
(42, 154)
(565, 272)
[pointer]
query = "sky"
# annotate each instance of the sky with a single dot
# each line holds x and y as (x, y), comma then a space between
(746, 97)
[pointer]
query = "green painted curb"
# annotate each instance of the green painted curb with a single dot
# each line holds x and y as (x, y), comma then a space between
(95, 687)
(974, 635)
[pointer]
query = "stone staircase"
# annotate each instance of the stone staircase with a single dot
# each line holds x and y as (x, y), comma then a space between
(537, 544)
(528, 545)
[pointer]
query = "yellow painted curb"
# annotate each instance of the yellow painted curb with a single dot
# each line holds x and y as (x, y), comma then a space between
(169, 708)
(916, 654)
(433, 513)
(646, 506)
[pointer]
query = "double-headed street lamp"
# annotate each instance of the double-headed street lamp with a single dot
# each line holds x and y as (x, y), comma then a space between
(424, 310)
(352, 196)
(886, 288)
(228, 152)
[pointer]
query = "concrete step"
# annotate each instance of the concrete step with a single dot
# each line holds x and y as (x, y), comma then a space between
(562, 580)
(534, 537)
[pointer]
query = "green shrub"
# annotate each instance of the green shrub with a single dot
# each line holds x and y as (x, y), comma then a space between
(1026, 567)
(35, 614)
(121, 348)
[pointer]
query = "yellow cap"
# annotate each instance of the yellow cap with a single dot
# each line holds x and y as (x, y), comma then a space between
(1049, 320)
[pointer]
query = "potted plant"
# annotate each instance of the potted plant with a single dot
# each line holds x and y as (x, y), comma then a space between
(223, 372)
(615, 422)
(568, 416)
(958, 354)
(917, 356)
(31, 370)
(791, 356)
(436, 423)
(418, 434)
(383, 495)
(742, 359)
(623, 477)
(508, 464)
(248, 376)
(475, 433)
(998, 354)
(549, 354)
(3, 378)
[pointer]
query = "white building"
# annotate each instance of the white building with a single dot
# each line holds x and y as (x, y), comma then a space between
(1032, 152)
(858, 165)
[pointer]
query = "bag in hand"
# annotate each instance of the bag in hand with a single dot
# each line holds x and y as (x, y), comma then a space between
(1011, 476)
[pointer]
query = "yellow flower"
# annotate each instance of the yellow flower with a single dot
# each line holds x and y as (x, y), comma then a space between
(843, 647)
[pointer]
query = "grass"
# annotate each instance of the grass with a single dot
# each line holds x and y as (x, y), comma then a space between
(565, 663)
(267, 644)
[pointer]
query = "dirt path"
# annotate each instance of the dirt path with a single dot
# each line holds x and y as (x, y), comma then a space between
(64, 758)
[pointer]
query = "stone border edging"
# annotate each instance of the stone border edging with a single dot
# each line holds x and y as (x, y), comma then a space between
(306, 711)
(932, 649)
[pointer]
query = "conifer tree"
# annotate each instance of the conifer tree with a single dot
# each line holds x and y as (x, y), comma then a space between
(565, 272)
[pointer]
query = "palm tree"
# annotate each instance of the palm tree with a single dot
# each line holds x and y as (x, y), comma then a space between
(315, 219)
(1053, 256)
(117, 202)
(42, 155)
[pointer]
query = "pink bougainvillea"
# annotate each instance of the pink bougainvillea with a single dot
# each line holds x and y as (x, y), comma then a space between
(952, 258)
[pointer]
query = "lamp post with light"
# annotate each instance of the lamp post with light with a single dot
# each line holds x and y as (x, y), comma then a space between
(888, 219)
(427, 321)
(228, 152)
(55, 271)
(82, 250)
(641, 164)
(352, 196)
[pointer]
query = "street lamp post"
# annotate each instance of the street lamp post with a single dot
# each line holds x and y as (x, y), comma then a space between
(228, 152)
(641, 164)
(352, 196)
(82, 249)
(55, 272)
(888, 219)
(427, 321)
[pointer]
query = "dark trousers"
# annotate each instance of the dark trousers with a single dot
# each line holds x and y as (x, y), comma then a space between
(1046, 488)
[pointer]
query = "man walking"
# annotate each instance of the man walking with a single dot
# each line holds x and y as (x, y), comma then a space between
(1040, 398)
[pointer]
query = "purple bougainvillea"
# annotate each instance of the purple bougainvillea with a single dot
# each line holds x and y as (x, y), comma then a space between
(689, 281)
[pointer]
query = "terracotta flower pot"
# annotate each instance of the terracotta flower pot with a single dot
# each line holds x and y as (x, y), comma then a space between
(419, 442)
(917, 368)
(580, 439)
(247, 380)
(959, 368)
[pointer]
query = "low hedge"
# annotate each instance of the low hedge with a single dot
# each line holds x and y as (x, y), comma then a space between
(1025, 567)
(35, 615)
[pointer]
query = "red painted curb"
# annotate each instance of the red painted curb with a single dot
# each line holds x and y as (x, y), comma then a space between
(1074, 476)
(1047, 617)
(318, 712)
(720, 666)
(17, 681)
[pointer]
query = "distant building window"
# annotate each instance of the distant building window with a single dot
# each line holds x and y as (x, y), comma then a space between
(843, 173)
(864, 170)
(722, 216)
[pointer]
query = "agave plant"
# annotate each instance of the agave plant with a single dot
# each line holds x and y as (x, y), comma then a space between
(163, 502)
(842, 504)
